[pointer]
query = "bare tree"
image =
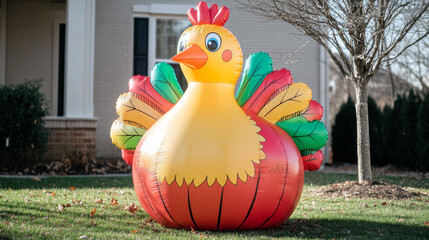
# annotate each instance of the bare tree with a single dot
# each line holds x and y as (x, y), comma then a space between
(359, 35)
(413, 64)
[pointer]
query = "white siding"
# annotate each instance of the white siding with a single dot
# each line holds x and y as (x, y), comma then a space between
(30, 42)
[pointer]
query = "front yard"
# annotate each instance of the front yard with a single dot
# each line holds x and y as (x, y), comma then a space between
(102, 208)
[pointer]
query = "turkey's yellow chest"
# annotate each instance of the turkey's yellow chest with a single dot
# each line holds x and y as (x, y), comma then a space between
(206, 136)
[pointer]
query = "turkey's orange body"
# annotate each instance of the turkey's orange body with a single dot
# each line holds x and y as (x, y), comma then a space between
(263, 201)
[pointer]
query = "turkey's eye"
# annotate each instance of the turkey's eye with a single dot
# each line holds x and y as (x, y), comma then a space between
(213, 42)
(182, 43)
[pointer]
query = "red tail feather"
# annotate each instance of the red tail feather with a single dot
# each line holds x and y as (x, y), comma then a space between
(128, 156)
(272, 82)
(313, 161)
(314, 111)
(143, 90)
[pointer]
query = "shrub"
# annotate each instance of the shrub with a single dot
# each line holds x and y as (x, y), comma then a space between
(22, 108)
(344, 147)
(398, 135)
(386, 139)
(423, 135)
(344, 134)
(406, 143)
(374, 121)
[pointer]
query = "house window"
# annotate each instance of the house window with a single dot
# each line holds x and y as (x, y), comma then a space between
(155, 40)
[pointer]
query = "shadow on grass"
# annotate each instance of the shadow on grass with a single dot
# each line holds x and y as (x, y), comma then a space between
(122, 222)
(66, 182)
(112, 220)
(335, 228)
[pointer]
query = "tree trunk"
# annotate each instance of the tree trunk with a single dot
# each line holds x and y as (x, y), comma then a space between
(363, 149)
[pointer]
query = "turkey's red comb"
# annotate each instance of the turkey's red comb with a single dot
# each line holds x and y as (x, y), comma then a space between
(205, 15)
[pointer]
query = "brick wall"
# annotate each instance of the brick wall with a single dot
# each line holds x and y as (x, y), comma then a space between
(70, 138)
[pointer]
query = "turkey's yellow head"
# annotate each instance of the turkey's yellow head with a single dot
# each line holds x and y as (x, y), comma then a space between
(208, 52)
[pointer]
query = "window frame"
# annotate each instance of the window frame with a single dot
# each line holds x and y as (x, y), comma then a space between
(152, 13)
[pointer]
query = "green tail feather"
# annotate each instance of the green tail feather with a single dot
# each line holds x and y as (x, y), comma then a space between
(307, 152)
(257, 66)
(164, 81)
(125, 136)
(305, 134)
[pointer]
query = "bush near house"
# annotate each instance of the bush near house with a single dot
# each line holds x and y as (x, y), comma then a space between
(399, 135)
(23, 135)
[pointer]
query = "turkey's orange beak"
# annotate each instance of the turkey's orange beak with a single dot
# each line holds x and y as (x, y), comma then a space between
(193, 57)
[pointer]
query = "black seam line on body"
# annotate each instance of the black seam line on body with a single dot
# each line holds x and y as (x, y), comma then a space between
(220, 210)
(160, 195)
(190, 211)
(296, 196)
(283, 191)
(145, 195)
(163, 203)
(254, 198)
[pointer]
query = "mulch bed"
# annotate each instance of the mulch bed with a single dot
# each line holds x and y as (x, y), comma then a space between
(378, 190)
(68, 167)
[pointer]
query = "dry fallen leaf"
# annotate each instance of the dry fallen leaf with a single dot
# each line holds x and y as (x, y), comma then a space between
(93, 211)
(77, 202)
(114, 202)
(132, 208)
(72, 188)
(61, 207)
(384, 203)
(427, 223)
(134, 231)
(99, 201)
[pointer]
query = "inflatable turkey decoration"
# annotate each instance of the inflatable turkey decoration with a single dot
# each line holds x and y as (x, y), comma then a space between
(209, 160)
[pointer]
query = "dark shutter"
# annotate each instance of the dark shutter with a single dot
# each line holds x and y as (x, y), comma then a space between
(61, 65)
(141, 37)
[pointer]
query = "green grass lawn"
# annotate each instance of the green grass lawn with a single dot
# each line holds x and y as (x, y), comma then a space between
(60, 208)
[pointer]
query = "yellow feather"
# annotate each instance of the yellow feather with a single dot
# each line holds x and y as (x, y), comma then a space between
(133, 111)
(294, 99)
